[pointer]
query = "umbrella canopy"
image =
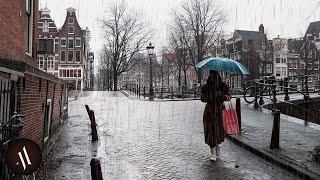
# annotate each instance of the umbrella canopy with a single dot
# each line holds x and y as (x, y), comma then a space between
(223, 64)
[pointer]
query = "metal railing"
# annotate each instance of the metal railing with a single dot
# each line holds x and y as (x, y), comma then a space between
(281, 86)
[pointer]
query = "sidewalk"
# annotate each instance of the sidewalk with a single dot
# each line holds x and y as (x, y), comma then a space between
(296, 140)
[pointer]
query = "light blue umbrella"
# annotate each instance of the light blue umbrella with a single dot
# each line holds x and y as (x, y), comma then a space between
(223, 64)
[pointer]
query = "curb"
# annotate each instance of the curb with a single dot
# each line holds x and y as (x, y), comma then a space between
(280, 161)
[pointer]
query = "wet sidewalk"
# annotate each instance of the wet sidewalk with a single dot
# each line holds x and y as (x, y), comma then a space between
(296, 139)
(147, 140)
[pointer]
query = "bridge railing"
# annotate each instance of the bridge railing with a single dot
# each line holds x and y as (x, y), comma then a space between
(282, 86)
(164, 91)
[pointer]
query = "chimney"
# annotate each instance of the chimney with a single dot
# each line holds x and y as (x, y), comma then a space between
(261, 28)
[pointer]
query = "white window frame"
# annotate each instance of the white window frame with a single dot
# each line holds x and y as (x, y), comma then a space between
(41, 59)
(69, 29)
(76, 42)
(29, 27)
(65, 55)
(70, 19)
(70, 43)
(72, 56)
(63, 38)
(50, 63)
(76, 57)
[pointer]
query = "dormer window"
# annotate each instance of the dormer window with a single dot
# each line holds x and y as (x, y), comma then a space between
(71, 30)
(70, 20)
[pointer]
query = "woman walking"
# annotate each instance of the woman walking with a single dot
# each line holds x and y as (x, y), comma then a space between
(214, 93)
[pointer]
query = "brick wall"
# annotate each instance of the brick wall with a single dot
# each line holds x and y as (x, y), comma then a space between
(32, 101)
(12, 25)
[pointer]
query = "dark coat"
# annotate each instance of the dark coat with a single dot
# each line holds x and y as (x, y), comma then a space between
(212, 116)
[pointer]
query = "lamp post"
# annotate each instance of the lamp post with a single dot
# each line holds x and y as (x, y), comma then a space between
(150, 50)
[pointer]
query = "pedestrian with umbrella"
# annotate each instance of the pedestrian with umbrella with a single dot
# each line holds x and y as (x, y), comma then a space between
(214, 93)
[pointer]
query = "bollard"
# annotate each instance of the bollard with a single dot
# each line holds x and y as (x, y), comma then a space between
(256, 105)
(139, 91)
(144, 92)
(275, 131)
(238, 109)
(286, 90)
(274, 99)
(94, 132)
(96, 173)
(88, 110)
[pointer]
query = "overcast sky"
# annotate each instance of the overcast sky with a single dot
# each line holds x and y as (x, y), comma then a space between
(287, 18)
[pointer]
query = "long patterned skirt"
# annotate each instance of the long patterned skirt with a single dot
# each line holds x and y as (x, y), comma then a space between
(213, 127)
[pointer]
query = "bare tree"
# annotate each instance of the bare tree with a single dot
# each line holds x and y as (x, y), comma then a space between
(204, 20)
(125, 35)
(309, 59)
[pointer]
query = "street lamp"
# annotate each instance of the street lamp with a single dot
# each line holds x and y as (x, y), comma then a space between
(150, 50)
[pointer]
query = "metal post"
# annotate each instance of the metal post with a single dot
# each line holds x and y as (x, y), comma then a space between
(286, 90)
(261, 101)
(195, 91)
(275, 131)
(151, 93)
(281, 85)
(256, 105)
(144, 92)
(238, 109)
(139, 91)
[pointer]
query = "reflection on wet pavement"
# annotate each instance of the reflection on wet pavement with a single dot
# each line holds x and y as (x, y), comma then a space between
(147, 140)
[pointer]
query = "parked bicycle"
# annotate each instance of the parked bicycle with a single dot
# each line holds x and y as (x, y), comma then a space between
(9, 134)
(251, 92)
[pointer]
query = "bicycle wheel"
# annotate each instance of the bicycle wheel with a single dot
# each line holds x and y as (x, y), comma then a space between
(250, 94)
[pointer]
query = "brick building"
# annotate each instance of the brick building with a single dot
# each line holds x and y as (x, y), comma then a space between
(39, 96)
(250, 48)
(65, 51)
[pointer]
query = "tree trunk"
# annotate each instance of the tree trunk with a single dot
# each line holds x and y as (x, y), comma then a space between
(185, 78)
(115, 82)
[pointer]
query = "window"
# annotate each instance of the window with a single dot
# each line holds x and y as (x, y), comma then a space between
(77, 56)
(269, 68)
(63, 56)
(63, 42)
(46, 46)
(70, 56)
(78, 42)
(28, 27)
(50, 65)
(277, 60)
(46, 26)
(71, 30)
(40, 62)
(239, 81)
(70, 43)
(70, 20)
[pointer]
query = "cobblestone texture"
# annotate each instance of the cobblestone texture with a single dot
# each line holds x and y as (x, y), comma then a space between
(147, 140)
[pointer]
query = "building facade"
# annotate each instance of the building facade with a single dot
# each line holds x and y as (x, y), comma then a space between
(65, 52)
(39, 96)
(280, 57)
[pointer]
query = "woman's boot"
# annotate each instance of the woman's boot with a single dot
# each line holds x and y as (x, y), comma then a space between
(218, 152)
(213, 156)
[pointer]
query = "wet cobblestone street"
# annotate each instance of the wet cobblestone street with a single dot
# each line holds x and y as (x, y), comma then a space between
(147, 140)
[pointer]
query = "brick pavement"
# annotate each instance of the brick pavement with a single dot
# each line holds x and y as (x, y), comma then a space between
(147, 140)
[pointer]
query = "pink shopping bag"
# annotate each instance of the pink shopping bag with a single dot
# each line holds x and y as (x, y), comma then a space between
(230, 119)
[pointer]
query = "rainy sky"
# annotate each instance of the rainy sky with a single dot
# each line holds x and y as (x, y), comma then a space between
(287, 18)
